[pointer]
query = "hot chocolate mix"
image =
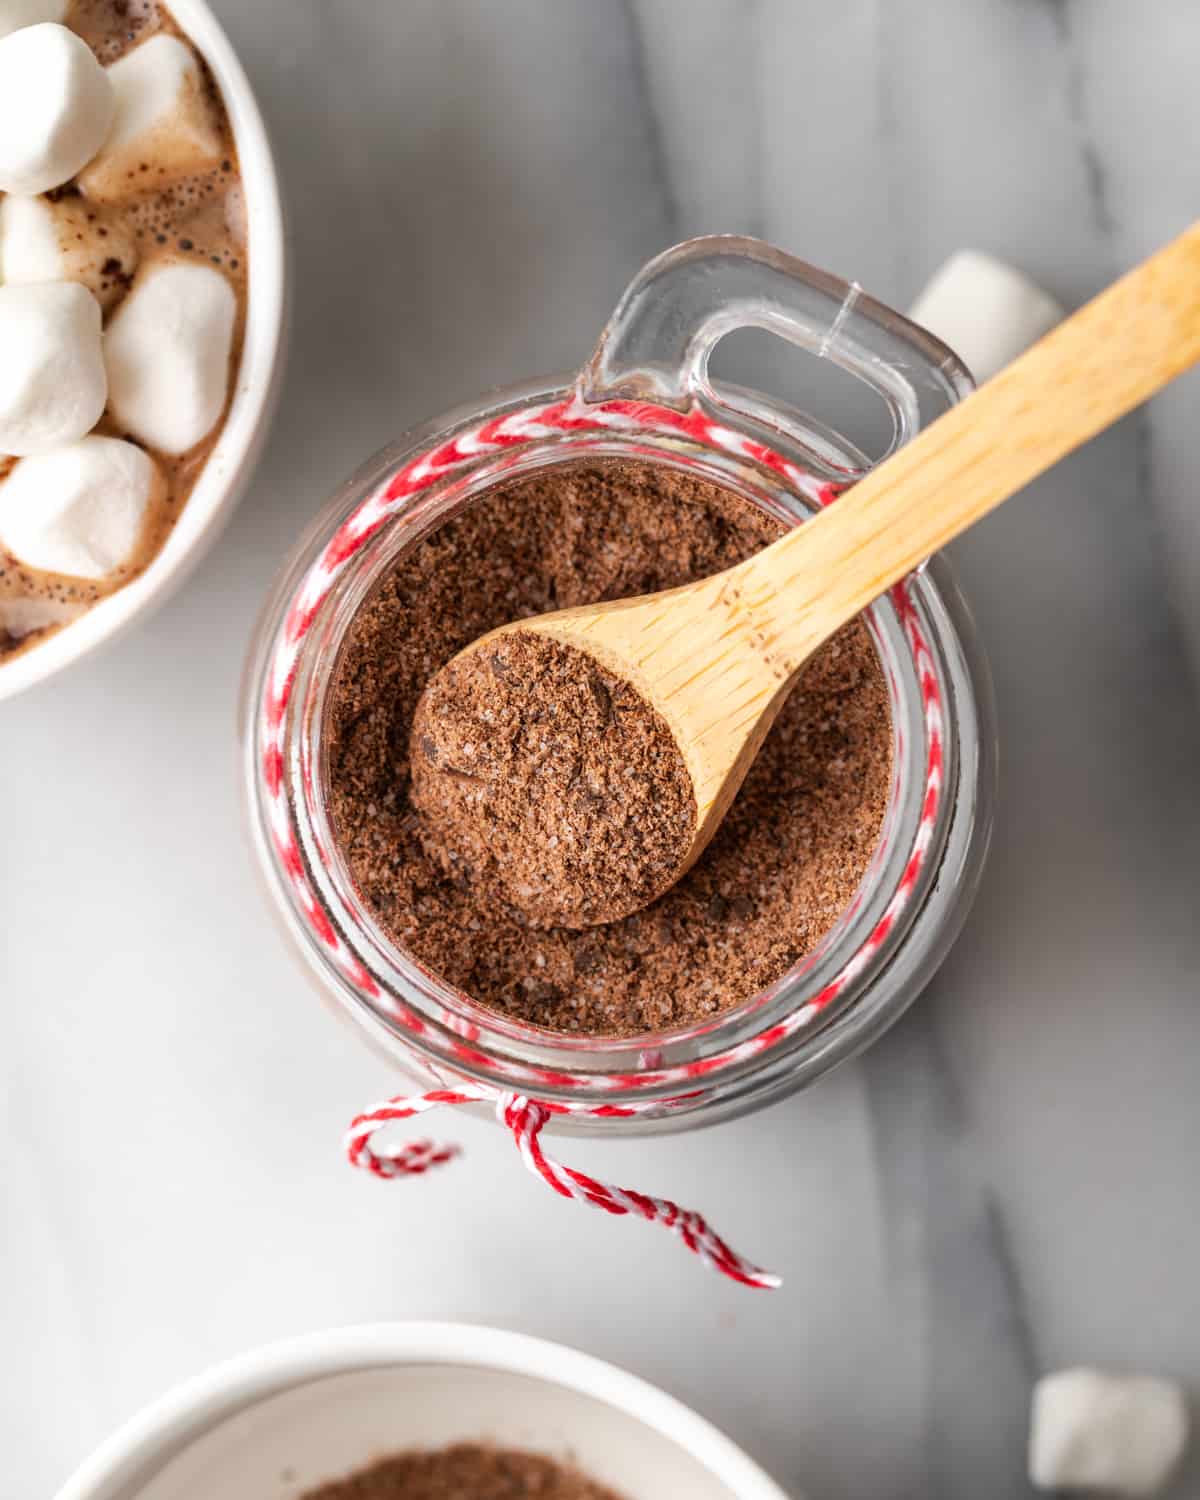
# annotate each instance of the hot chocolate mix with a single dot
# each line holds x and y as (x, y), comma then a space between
(466, 1471)
(781, 869)
(541, 777)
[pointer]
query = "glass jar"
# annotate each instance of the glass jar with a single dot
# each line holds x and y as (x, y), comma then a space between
(645, 394)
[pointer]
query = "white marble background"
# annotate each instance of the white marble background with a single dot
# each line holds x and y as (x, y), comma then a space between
(1009, 1181)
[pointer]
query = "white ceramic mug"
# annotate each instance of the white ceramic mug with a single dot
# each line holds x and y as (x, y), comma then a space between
(229, 467)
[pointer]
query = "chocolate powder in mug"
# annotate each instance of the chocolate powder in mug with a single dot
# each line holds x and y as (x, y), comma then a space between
(548, 782)
(466, 1471)
(783, 866)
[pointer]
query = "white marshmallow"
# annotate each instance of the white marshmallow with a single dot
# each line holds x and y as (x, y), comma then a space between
(167, 351)
(56, 108)
(1092, 1430)
(14, 14)
(30, 249)
(21, 617)
(163, 118)
(987, 311)
(52, 381)
(67, 241)
(79, 510)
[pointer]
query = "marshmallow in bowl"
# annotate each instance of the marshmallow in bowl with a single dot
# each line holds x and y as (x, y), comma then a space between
(987, 311)
(167, 351)
(14, 14)
(65, 241)
(52, 381)
(1090, 1430)
(80, 509)
(56, 108)
(163, 117)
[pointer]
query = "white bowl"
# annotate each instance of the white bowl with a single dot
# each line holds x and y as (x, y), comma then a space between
(278, 1420)
(228, 470)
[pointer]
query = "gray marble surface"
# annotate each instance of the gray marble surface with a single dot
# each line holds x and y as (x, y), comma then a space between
(1009, 1181)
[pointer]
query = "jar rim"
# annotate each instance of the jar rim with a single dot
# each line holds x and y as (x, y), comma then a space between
(832, 998)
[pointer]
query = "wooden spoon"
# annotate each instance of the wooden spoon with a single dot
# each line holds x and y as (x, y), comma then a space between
(717, 658)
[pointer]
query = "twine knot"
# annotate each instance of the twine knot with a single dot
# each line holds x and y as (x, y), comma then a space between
(525, 1118)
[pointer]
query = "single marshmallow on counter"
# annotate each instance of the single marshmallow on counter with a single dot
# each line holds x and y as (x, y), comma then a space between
(1094, 1431)
(14, 14)
(52, 381)
(80, 509)
(56, 108)
(988, 312)
(65, 241)
(167, 351)
(164, 121)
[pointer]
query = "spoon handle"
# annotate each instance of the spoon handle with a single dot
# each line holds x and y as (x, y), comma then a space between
(1110, 356)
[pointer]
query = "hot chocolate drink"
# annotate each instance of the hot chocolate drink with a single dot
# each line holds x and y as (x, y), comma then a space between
(153, 228)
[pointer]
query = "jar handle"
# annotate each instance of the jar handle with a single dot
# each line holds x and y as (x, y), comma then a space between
(676, 310)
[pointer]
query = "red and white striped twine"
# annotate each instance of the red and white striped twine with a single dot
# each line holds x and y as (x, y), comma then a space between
(526, 1119)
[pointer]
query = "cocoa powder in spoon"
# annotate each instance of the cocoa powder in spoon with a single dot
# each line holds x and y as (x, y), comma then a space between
(548, 782)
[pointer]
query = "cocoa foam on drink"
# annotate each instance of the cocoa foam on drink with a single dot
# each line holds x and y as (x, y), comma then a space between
(783, 866)
(159, 217)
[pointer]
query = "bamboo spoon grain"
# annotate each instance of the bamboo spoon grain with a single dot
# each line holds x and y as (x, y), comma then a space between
(717, 658)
